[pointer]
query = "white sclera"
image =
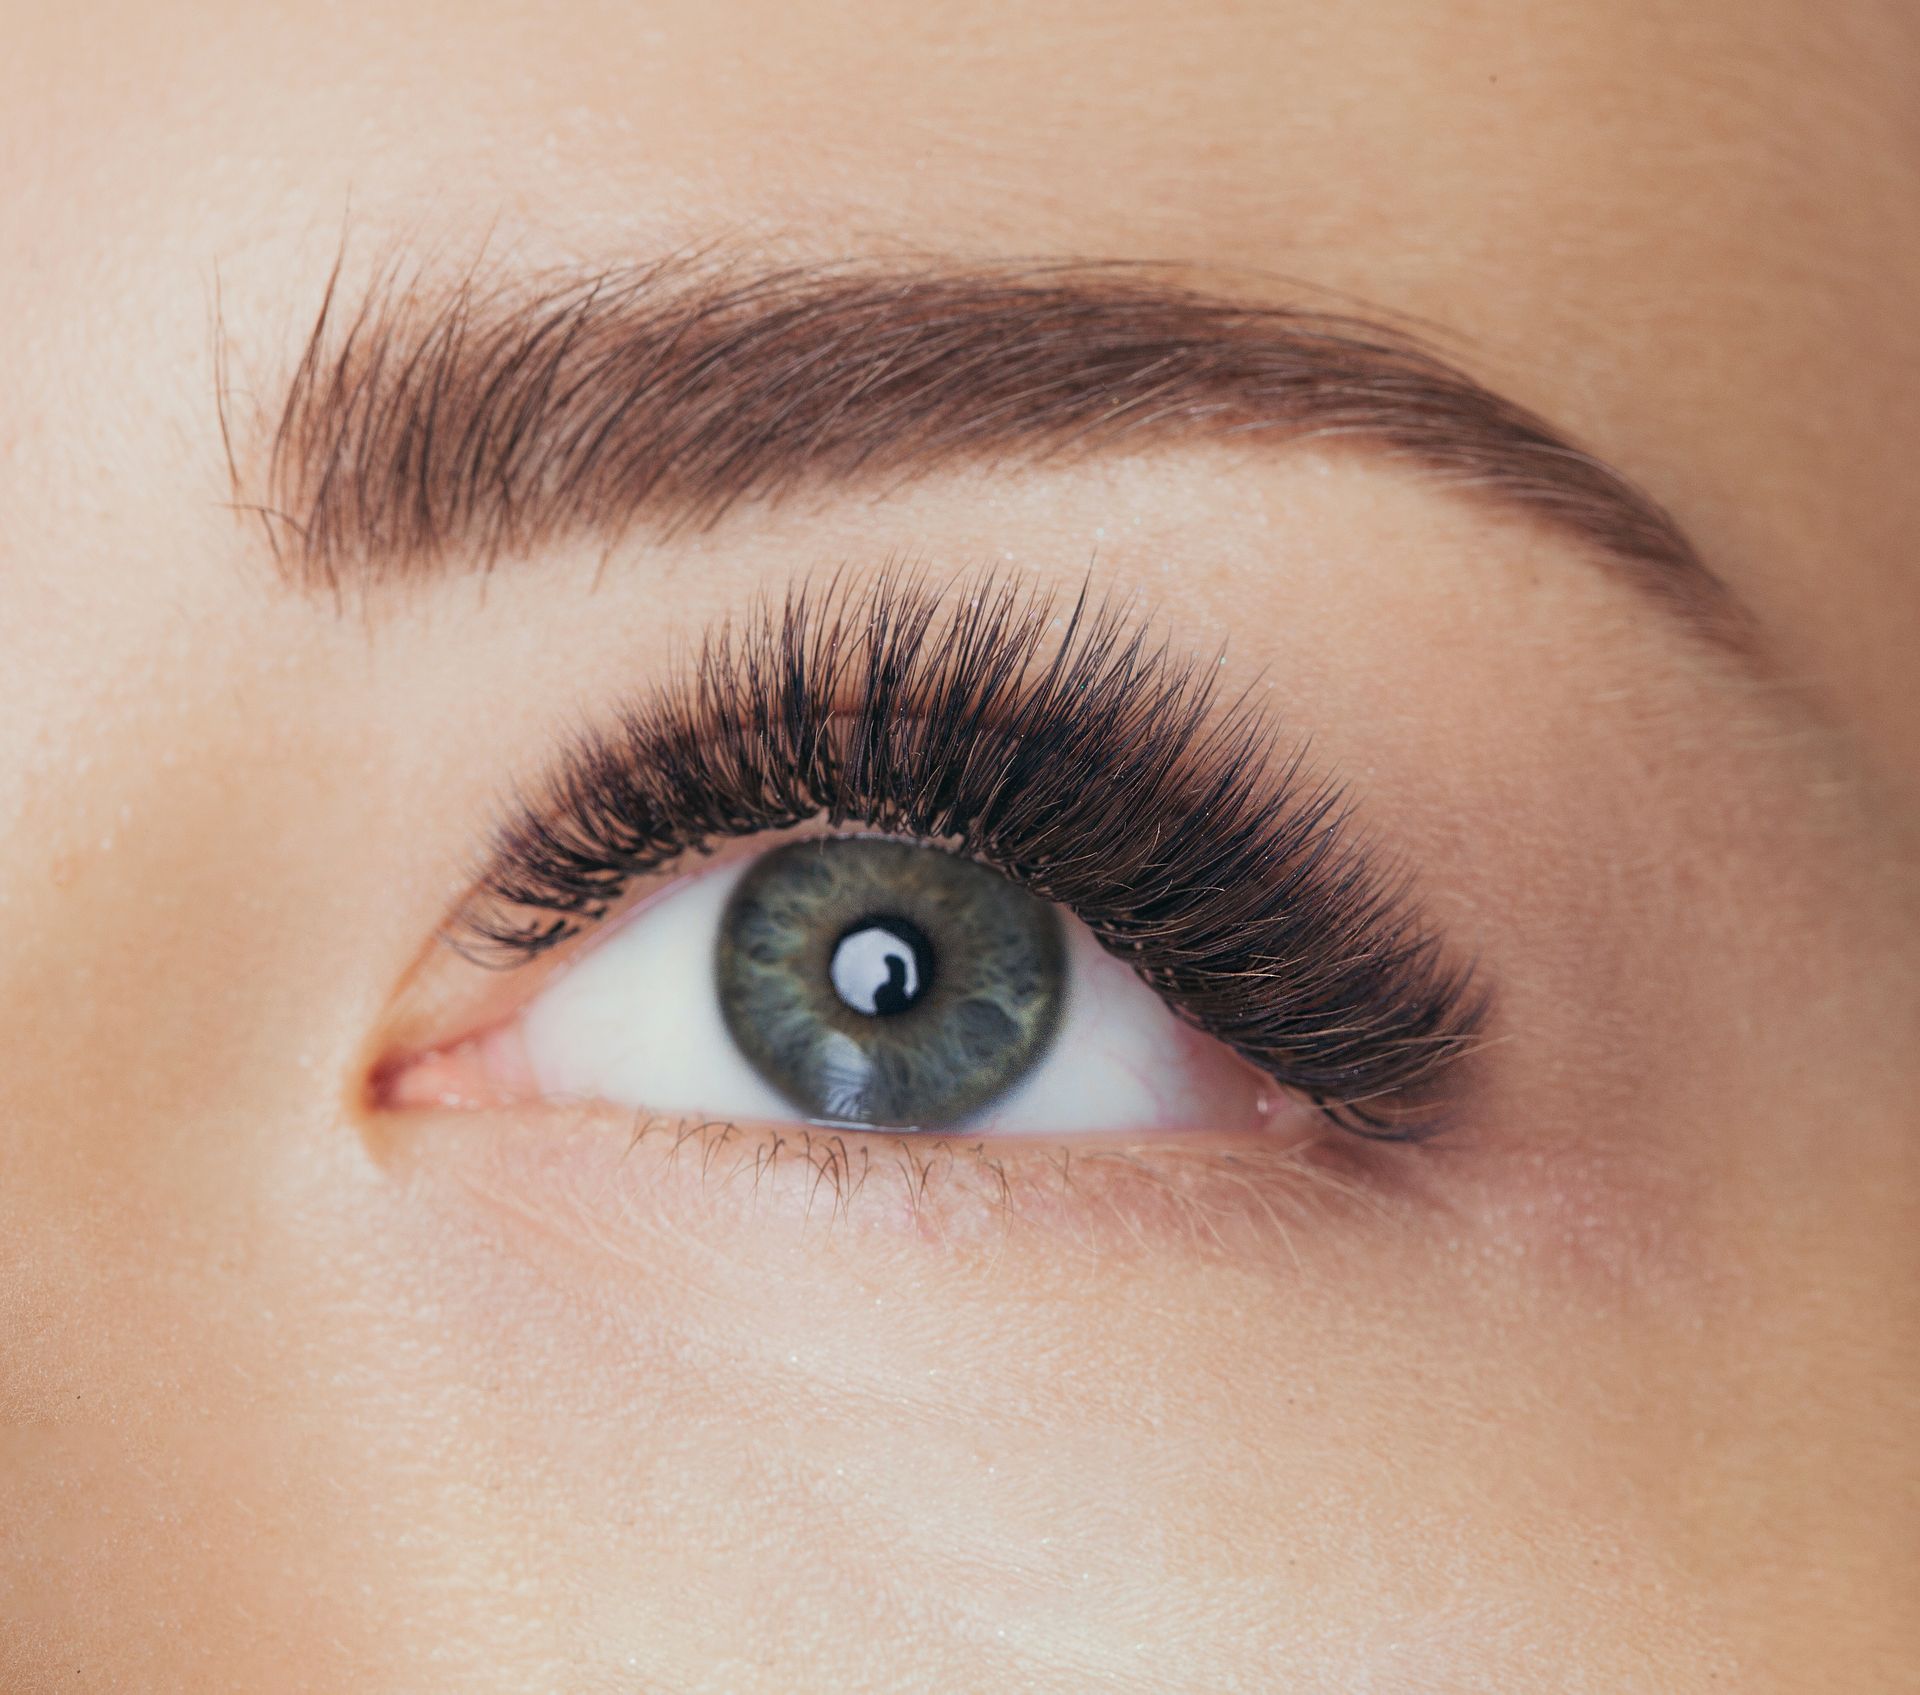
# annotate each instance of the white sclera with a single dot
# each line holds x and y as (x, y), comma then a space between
(637, 1022)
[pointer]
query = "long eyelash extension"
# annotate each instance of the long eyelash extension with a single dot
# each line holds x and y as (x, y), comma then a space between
(1068, 752)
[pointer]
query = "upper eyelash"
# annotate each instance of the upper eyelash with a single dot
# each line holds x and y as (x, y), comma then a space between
(1071, 755)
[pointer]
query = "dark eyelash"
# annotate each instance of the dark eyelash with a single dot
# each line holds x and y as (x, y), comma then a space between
(1073, 756)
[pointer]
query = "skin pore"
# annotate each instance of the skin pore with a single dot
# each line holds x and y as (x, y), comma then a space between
(1610, 1388)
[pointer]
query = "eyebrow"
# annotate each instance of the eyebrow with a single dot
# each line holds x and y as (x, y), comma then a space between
(438, 426)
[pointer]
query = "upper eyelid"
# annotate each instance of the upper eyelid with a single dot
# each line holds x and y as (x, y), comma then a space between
(1373, 1012)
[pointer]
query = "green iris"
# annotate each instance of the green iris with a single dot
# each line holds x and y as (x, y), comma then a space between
(875, 982)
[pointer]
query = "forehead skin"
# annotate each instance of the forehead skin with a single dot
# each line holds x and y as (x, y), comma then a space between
(1686, 233)
(1574, 193)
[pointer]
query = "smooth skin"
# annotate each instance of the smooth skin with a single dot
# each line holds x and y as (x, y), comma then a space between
(1619, 1394)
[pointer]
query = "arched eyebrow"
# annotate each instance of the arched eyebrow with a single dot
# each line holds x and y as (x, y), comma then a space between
(433, 427)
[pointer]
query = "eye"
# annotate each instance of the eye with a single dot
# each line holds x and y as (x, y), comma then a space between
(1216, 941)
(866, 982)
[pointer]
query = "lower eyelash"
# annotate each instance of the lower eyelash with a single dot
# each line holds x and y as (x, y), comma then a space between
(955, 1190)
(1065, 752)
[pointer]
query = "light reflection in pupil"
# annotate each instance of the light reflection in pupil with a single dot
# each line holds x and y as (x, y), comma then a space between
(881, 967)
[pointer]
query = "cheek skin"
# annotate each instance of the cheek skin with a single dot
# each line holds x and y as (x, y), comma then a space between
(860, 1419)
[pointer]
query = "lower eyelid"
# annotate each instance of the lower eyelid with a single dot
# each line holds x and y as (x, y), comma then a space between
(602, 1179)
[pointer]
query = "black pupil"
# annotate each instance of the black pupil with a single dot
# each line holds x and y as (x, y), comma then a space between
(882, 966)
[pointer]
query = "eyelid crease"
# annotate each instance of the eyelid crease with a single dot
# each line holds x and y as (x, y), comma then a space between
(1071, 753)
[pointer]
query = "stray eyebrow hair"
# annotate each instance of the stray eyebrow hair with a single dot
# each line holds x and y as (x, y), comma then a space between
(432, 426)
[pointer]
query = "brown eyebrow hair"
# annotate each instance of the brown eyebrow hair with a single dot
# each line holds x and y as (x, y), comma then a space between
(435, 425)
